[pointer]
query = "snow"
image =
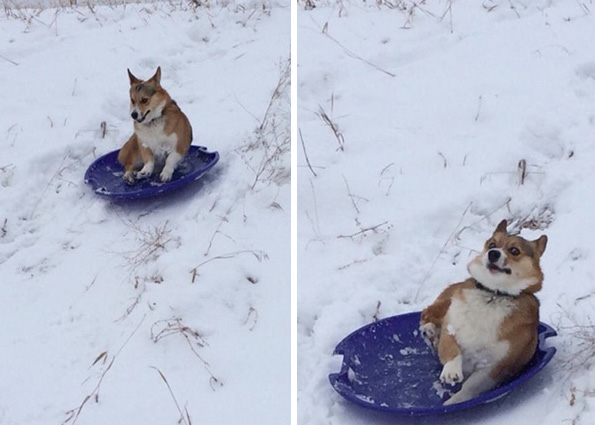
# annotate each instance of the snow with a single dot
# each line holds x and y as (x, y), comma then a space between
(99, 303)
(417, 136)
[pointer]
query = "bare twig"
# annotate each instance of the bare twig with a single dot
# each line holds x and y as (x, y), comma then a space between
(355, 56)
(334, 128)
(252, 313)
(522, 171)
(8, 60)
(259, 255)
(583, 332)
(152, 242)
(182, 417)
(453, 233)
(445, 164)
(363, 231)
(193, 338)
(73, 414)
(478, 108)
(513, 7)
(217, 231)
(352, 196)
(377, 313)
(306, 154)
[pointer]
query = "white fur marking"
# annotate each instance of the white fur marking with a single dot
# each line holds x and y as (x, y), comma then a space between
(509, 283)
(479, 382)
(152, 134)
(147, 170)
(170, 165)
(476, 322)
(452, 372)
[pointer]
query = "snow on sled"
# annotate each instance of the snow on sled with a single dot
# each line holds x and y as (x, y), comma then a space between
(387, 366)
(105, 175)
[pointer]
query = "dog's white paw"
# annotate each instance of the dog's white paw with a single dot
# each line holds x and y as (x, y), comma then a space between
(429, 332)
(129, 176)
(166, 174)
(146, 171)
(452, 372)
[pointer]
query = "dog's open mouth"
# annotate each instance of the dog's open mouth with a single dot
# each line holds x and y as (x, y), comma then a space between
(495, 269)
(141, 119)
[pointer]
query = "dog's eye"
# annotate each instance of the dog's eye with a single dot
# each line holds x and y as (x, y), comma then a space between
(144, 100)
(492, 245)
(132, 101)
(514, 251)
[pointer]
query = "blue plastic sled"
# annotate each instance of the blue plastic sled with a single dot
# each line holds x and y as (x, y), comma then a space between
(105, 175)
(387, 366)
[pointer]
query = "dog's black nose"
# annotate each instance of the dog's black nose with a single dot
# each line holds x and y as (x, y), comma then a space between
(493, 255)
(134, 115)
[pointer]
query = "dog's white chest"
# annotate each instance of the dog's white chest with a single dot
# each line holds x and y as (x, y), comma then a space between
(153, 137)
(475, 323)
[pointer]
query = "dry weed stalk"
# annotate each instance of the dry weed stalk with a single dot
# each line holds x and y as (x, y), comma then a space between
(252, 313)
(271, 145)
(363, 231)
(174, 326)
(538, 219)
(152, 242)
(306, 154)
(454, 233)
(72, 415)
(184, 416)
(522, 167)
(582, 331)
(135, 302)
(334, 128)
(354, 198)
(259, 255)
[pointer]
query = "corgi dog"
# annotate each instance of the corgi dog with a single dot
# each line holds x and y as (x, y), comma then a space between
(485, 328)
(162, 133)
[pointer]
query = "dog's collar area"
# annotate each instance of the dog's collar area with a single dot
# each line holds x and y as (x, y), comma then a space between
(494, 292)
(155, 120)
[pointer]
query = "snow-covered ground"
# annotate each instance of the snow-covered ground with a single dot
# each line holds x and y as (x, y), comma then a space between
(425, 124)
(117, 313)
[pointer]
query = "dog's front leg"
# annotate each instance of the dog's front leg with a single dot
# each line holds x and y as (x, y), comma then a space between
(170, 165)
(148, 161)
(451, 358)
(478, 382)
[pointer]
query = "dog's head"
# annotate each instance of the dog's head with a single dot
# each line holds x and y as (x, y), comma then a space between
(509, 263)
(147, 98)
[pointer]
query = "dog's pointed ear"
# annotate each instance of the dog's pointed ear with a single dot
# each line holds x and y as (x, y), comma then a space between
(133, 79)
(156, 79)
(539, 245)
(501, 227)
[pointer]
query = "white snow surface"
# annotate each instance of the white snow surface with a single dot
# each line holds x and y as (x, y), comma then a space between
(436, 110)
(98, 302)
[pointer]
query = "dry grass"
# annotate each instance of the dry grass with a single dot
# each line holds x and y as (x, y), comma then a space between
(151, 241)
(104, 359)
(184, 415)
(259, 255)
(267, 154)
(176, 327)
(581, 331)
(333, 126)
